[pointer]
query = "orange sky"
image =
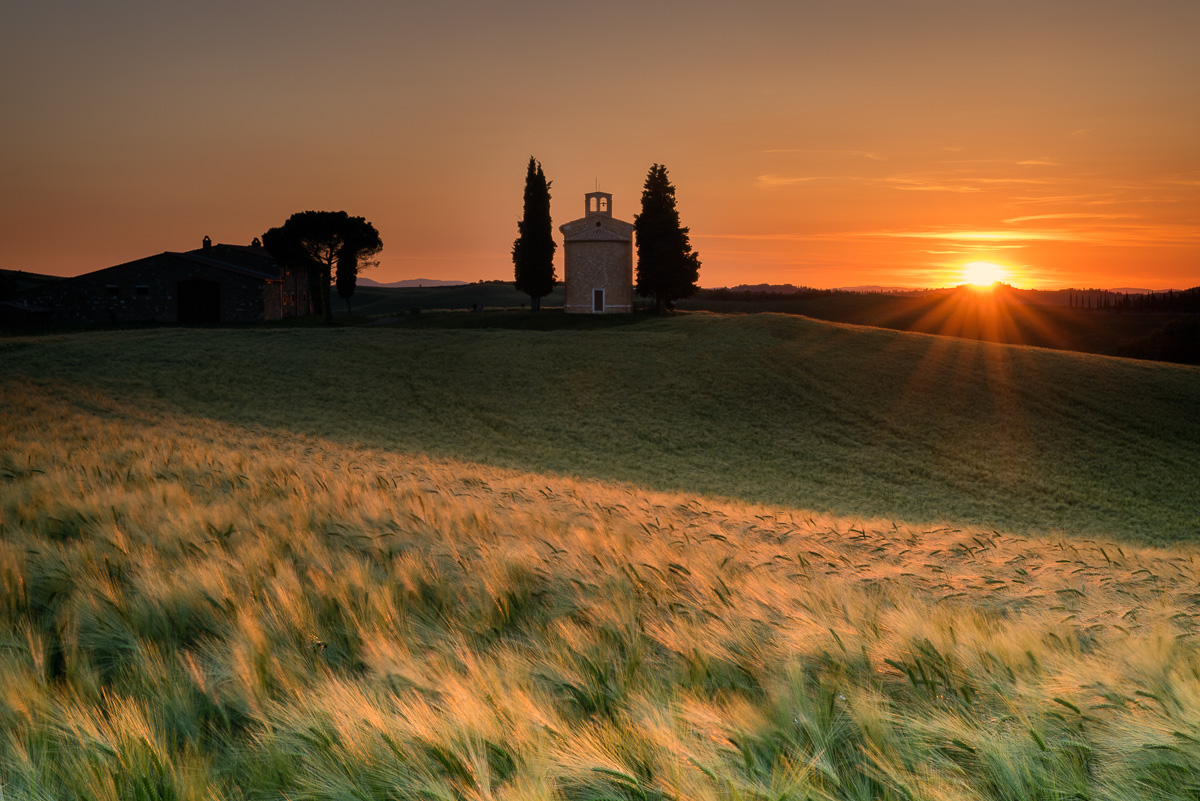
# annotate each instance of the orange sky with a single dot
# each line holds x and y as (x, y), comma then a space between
(823, 143)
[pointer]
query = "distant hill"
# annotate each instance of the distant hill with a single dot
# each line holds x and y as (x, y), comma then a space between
(876, 288)
(1129, 290)
(12, 281)
(1028, 317)
(792, 289)
(772, 289)
(410, 282)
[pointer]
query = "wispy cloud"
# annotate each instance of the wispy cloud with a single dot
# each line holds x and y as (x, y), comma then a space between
(1076, 215)
(1040, 163)
(1119, 235)
(973, 236)
(1008, 180)
(920, 185)
(857, 153)
(771, 181)
(954, 182)
(1099, 199)
(1112, 235)
(768, 237)
(1037, 199)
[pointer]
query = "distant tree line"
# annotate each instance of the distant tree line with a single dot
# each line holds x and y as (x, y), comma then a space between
(768, 292)
(1186, 301)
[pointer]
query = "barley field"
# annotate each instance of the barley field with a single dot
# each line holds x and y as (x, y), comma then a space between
(776, 409)
(250, 583)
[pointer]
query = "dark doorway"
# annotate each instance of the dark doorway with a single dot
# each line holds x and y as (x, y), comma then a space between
(199, 301)
(597, 300)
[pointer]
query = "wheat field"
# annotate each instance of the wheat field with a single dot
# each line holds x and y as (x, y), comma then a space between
(195, 608)
(786, 411)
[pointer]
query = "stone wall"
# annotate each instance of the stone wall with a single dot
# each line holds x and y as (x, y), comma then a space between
(590, 265)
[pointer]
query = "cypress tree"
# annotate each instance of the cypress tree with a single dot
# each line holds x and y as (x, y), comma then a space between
(667, 268)
(533, 250)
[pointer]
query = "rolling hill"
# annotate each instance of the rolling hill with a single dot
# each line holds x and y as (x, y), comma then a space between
(471, 564)
(766, 408)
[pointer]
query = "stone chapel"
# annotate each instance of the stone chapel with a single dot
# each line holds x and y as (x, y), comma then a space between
(598, 260)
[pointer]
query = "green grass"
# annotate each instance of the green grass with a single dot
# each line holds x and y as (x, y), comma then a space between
(1011, 316)
(392, 301)
(764, 408)
(227, 571)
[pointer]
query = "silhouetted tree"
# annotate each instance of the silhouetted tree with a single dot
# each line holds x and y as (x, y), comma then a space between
(667, 269)
(319, 240)
(533, 250)
(347, 277)
(360, 244)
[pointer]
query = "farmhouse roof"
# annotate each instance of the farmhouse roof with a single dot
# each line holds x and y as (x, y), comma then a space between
(263, 267)
(230, 264)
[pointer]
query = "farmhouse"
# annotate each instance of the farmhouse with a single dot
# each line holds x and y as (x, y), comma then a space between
(214, 283)
(598, 260)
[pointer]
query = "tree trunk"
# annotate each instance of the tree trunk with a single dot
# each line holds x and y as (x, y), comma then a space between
(535, 304)
(326, 301)
(349, 311)
(660, 302)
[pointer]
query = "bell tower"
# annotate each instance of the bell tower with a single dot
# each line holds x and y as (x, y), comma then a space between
(598, 203)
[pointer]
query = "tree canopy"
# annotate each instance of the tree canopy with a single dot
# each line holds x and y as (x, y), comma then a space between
(533, 250)
(317, 241)
(667, 269)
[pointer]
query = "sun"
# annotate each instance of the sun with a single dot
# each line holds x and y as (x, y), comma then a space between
(983, 274)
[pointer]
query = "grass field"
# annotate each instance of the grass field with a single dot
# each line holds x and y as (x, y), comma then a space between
(391, 301)
(422, 563)
(766, 408)
(1006, 315)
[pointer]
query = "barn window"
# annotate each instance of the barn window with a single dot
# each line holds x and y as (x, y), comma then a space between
(597, 300)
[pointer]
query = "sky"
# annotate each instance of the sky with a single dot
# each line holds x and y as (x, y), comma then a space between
(836, 143)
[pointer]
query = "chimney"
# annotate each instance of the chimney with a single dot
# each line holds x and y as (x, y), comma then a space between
(207, 243)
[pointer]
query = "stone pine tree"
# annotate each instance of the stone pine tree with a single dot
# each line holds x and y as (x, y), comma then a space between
(667, 269)
(317, 241)
(359, 244)
(533, 250)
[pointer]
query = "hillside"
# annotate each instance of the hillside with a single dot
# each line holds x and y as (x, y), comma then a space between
(409, 282)
(14, 281)
(391, 301)
(764, 408)
(1008, 315)
(221, 581)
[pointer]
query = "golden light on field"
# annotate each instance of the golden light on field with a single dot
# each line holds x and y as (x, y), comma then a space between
(983, 274)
